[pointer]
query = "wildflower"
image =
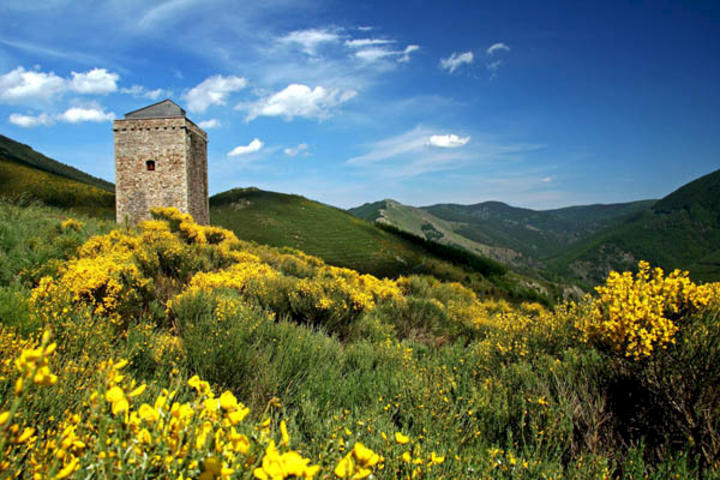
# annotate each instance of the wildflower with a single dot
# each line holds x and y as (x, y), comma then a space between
(401, 439)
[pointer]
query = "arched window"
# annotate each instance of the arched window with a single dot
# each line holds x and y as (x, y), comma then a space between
(150, 164)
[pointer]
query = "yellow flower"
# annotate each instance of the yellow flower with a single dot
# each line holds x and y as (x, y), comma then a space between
(401, 439)
(4, 416)
(138, 391)
(283, 431)
(228, 402)
(406, 457)
(25, 436)
(68, 469)
(148, 413)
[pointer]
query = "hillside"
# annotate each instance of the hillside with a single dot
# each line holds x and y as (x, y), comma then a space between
(681, 230)
(19, 153)
(423, 223)
(26, 175)
(341, 239)
(537, 234)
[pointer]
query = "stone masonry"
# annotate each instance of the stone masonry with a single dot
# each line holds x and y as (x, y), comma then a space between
(160, 161)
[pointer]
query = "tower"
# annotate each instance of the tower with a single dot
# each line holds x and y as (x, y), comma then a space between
(160, 161)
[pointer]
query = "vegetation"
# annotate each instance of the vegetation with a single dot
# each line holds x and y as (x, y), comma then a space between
(177, 350)
(456, 255)
(682, 229)
(343, 240)
(15, 152)
(27, 184)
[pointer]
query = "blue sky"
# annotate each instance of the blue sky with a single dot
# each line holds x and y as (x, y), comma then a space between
(537, 104)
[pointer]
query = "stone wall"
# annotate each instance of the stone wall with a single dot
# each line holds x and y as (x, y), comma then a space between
(197, 174)
(162, 140)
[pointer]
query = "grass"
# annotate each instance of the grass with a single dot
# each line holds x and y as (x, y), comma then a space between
(16, 152)
(25, 183)
(342, 239)
(499, 391)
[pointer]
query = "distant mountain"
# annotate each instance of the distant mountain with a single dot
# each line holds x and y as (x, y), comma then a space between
(681, 230)
(424, 224)
(342, 239)
(537, 234)
(519, 236)
(27, 175)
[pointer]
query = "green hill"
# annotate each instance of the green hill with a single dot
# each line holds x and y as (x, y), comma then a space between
(19, 153)
(342, 239)
(537, 234)
(26, 175)
(680, 231)
(423, 223)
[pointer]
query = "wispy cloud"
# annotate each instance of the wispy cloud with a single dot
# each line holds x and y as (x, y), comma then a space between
(165, 12)
(497, 47)
(208, 124)
(241, 150)
(138, 91)
(454, 61)
(311, 39)
(421, 150)
(31, 121)
(294, 151)
(493, 51)
(366, 42)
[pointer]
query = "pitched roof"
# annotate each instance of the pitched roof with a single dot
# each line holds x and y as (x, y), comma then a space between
(163, 109)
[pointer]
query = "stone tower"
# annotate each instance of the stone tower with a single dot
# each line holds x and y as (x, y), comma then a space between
(160, 161)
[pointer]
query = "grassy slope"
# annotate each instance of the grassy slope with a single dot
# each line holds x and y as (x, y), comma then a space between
(16, 152)
(424, 224)
(29, 183)
(341, 239)
(681, 231)
(537, 234)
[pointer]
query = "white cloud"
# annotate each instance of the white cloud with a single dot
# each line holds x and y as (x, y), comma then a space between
(207, 124)
(252, 147)
(22, 85)
(406, 53)
(497, 47)
(366, 42)
(448, 141)
(96, 81)
(413, 153)
(294, 151)
(213, 91)
(82, 114)
(298, 100)
(456, 60)
(373, 54)
(139, 91)
(71, 115)
(309, 40)
(364, 28)
(30, 121)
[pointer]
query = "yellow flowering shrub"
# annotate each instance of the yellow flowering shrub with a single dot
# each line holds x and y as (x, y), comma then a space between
(636, 315)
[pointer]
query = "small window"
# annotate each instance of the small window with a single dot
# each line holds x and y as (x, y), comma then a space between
(150, 165)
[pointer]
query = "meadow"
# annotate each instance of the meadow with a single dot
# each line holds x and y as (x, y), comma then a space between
(175, 350)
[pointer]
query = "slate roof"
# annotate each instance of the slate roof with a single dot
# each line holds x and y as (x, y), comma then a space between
(164, 109)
